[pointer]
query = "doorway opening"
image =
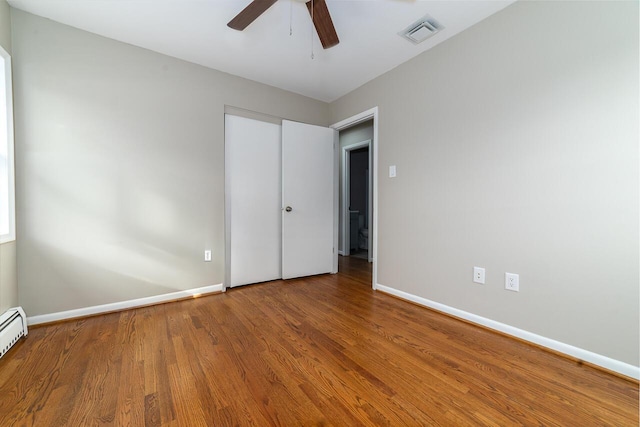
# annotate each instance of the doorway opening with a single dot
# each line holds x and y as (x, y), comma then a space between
(357, 166)
(357, 197)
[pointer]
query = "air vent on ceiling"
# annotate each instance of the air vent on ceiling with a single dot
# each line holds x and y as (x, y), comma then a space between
(421, 30)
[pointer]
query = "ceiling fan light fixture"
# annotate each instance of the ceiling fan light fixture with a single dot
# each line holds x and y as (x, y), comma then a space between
(421, 30)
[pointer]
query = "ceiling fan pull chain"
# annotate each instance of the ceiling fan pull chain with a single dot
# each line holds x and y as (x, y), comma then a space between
(291, 17)
(313, 23)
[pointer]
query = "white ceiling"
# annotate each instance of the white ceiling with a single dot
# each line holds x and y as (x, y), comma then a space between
(196, 31)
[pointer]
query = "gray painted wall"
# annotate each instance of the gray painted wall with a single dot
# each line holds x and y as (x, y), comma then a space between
(5, 25)
(120, 166)
(8, 280)
(516, 144)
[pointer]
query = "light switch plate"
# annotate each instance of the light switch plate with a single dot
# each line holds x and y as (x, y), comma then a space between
(207, 256)
(392, 171)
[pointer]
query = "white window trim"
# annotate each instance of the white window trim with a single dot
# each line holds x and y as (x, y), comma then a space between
(11, 235)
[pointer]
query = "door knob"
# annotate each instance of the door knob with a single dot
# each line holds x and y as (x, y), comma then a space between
(288, 209)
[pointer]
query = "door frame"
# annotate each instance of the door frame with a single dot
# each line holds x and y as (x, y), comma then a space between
(346, 195)
(373, 150)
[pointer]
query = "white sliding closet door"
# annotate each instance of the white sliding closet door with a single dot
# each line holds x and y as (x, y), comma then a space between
(253, 162)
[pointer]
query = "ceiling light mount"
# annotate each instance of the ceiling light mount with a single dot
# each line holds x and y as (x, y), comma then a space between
(421, 30)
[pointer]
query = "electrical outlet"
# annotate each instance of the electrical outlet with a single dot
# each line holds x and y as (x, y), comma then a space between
(207, 255)
(512, 282)
(478, 275)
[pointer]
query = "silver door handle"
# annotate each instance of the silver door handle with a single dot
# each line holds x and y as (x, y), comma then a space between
(288, 209)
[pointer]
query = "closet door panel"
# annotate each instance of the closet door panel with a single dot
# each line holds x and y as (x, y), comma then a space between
(308, 199)
(254, 225)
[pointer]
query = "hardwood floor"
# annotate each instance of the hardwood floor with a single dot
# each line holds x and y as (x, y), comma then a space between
(325, 350)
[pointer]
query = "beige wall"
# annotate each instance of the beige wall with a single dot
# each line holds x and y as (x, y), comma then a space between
(8, 282)
(8, 279)
(516, 144)
(5, 25)
(120, 161)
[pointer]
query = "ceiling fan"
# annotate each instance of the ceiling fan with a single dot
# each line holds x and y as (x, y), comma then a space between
(317, 9)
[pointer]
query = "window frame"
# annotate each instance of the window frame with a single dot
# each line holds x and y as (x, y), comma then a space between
(10, 210)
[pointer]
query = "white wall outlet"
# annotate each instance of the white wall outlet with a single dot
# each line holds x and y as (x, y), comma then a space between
(512, 282)
(207, 255)
(392, 171)
(478, 275)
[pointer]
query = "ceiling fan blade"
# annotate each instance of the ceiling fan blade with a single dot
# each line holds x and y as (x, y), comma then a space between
(250, 14)
(323, 23)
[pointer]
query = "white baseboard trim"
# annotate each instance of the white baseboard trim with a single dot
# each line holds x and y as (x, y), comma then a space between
(122, 305)
(578, 353)
(341, 253)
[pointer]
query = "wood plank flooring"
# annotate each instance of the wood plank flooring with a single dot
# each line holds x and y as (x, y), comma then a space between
(325, 350)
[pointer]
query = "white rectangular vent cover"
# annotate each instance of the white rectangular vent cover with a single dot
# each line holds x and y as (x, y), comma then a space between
(421, 30)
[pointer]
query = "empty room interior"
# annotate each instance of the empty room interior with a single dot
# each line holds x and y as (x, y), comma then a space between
(321, 212)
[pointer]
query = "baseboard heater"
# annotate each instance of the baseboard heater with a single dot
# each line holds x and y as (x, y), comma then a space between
(13, 326)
